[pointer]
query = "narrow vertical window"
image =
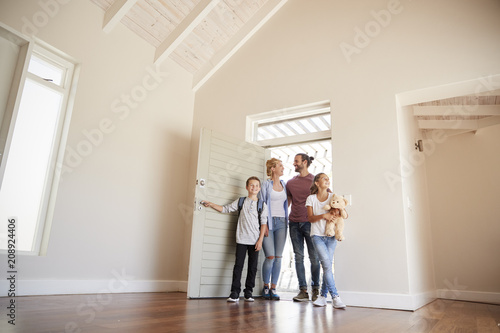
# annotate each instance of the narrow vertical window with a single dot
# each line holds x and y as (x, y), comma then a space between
(34, 143)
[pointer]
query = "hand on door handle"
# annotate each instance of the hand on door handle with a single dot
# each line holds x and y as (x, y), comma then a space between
(212, 205)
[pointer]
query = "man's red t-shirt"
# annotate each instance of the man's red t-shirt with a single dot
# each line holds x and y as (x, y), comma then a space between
(299, 188)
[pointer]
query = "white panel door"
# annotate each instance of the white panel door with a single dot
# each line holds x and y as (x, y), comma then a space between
(224, 165)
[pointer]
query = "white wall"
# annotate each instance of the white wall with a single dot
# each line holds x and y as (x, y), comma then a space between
(464, 182)
(413, 179)
(296, 58)
(117, 211)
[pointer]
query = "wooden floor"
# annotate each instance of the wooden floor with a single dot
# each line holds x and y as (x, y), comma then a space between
(172, 312)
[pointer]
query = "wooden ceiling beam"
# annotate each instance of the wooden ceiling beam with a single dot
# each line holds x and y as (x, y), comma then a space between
(457, 110)
(486, 85)
(489, 121)
(448, 124)
(238, 40)
(177, 36)
(459, 124)
(115, 13)
(445, 133)
(487, 93)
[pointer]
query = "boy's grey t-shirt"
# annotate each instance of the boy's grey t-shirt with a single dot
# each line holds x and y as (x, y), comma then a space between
(247, 231)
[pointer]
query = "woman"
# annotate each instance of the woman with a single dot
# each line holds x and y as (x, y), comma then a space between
(273, 193)
(325, 246)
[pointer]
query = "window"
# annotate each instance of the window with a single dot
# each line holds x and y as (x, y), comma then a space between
(302, 129)
(320, 150)
(34, 146)
(295, 126)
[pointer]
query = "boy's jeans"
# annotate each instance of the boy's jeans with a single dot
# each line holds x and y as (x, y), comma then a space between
(325, 247)
(253, 256)
(300, 232)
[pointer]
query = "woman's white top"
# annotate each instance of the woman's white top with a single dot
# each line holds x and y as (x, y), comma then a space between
(277, 200)
(318, 228)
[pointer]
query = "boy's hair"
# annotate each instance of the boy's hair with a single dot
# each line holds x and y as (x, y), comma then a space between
(252, 178)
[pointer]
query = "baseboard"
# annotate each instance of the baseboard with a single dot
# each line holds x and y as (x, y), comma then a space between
(470, 296)
(66, 287)
(422, 299)
(412, 302)
(117, 285)
(388, 301)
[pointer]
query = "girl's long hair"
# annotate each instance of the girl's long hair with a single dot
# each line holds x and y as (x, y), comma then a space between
(314, 187)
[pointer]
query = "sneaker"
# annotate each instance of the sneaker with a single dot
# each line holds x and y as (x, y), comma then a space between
(274, 296)
(265, 293)
(233, 298)
(249, 299)
(315, 294)
(303, 296)
(337, 303)
(320, 301)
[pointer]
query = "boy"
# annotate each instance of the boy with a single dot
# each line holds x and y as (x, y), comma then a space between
(248, 238)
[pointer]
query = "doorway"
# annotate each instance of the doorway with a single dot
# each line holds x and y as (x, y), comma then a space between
(458, 126)
(321, 151)
(302, 129)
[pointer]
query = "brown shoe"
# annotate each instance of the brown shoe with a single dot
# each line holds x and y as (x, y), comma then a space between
(315, 293)
(303, 296)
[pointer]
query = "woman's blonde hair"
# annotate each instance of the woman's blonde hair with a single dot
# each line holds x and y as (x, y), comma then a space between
(272, 163)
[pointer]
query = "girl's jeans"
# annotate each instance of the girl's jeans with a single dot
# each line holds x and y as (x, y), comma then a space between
(325, 248)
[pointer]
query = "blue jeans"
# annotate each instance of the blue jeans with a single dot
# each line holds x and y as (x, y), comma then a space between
(300, 232)
(325, 247)
(273, 246)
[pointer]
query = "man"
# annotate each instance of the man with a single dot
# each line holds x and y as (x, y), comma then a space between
(298, 189)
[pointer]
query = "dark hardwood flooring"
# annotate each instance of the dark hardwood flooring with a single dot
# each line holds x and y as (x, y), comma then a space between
(172, 312)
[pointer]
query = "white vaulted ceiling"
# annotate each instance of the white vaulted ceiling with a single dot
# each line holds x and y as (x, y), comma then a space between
(199, 35)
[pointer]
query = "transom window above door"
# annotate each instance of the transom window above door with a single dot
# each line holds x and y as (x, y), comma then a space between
(300, 124)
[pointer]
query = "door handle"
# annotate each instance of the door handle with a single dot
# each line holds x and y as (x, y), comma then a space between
(198, 206)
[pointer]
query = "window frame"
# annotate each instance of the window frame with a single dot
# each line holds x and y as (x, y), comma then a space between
(28, 48)
(276, 116)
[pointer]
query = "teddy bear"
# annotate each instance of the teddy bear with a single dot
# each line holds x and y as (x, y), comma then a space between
(336, 227)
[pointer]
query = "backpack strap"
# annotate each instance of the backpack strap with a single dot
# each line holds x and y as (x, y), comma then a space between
(260, 207)
(240, 204)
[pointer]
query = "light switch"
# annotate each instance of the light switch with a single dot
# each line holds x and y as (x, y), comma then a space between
(349, 199)
(409, 204)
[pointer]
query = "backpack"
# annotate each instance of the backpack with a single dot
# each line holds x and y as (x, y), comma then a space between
(260, 204)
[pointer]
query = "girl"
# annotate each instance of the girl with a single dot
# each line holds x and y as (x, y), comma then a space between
(273, 193)
(325, 246)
